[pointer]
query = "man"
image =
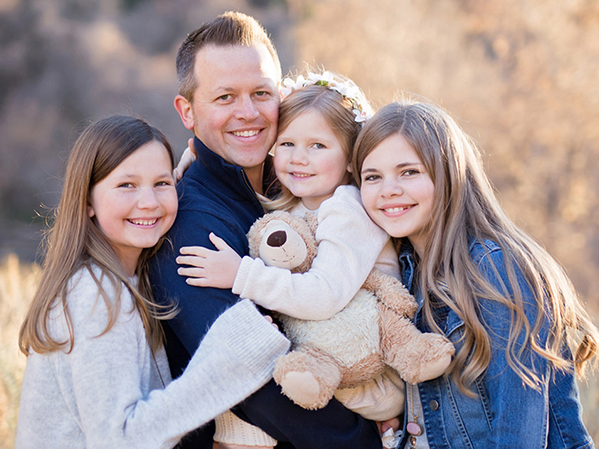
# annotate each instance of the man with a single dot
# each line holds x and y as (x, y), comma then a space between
(229, 75)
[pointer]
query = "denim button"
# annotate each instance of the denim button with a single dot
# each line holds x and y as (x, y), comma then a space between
(434, 405)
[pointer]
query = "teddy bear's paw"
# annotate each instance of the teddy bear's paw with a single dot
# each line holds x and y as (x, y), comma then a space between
(308, 378)
(302, 388)
(430, 358)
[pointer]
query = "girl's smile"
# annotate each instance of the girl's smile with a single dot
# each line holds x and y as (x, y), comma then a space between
(397, 191)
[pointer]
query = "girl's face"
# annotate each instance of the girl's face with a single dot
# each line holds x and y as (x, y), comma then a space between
(309, 160)
(136, 203)
(397, 191)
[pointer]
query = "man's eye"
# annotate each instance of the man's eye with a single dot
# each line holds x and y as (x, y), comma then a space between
(225, 97)
(261, 93)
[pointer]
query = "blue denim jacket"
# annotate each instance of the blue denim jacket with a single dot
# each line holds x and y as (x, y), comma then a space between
(506, 413)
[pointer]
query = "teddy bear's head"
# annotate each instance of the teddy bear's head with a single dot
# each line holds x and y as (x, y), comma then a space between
(284, 240)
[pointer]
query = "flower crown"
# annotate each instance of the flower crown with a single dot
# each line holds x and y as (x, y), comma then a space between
(347, 89)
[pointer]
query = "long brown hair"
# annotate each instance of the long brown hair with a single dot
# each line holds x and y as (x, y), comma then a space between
(75, 240)
(465, 207)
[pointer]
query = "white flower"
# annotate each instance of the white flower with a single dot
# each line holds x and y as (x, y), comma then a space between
(290, 85)
(361, 116)
(328, 77)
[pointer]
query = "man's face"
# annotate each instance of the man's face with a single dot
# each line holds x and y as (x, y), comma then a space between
(236, 104)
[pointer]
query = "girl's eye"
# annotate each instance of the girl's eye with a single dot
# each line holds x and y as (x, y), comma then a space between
(318, 146)
(411, 172)
(286, 144)
(164, 183)
(370, 178)
(125, 184)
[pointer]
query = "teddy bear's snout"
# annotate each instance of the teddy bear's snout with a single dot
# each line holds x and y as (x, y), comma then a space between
(276, 239)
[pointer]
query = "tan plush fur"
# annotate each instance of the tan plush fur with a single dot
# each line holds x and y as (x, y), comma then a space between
(373, 331)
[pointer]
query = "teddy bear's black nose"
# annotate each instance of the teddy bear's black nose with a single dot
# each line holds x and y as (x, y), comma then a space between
(276, 239)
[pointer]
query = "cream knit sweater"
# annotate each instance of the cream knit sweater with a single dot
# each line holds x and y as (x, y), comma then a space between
(108, 391)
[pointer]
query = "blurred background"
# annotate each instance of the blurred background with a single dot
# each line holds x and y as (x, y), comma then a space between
(521, 76)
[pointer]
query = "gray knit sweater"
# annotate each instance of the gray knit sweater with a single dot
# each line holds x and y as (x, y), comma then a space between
(108, 391)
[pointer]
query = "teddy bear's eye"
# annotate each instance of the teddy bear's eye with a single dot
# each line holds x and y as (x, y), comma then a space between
(277, 239)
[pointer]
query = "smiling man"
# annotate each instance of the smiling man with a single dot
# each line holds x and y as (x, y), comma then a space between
(229, 74)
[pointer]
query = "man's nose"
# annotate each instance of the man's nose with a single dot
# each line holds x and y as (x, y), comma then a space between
(247, 109)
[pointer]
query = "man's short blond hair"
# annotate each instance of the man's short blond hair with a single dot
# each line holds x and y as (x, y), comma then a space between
(230, 28)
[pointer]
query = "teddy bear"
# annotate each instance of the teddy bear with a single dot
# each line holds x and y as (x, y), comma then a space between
(373, 332)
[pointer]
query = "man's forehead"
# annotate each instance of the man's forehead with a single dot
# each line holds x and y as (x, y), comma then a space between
(233, 56)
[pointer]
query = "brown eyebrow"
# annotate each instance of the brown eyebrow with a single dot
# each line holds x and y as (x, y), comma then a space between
(406, 164)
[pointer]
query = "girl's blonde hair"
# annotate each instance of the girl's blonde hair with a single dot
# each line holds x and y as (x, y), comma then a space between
(75, 240)
(465, 207)
(337, 112)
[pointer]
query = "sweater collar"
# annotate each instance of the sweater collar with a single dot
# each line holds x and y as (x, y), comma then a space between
(227, 173)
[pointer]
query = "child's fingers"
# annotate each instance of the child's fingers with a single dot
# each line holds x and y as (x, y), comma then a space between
(196, 282)
(220, 244)
(191, 272)
(192, 148)
(198, 251)
(194, 261)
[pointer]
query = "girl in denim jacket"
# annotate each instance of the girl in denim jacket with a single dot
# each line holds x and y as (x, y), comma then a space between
(504, 302)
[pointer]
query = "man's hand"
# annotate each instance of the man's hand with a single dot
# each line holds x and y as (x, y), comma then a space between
(209, 268)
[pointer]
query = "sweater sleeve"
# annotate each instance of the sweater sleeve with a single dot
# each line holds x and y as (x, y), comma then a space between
(235, 358)
(349, 244)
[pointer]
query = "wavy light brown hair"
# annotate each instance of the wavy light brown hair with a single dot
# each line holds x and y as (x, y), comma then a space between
(230, 28)
(336, 111)
(75, 240)
(465, 207)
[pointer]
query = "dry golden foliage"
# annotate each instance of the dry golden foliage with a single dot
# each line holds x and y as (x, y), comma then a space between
(17, 286)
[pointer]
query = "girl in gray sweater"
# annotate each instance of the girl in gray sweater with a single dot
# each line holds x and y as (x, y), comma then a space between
(97, 374)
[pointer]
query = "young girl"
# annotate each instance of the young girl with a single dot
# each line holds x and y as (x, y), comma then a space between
(319, 121)
(499, 296)
(97, 374)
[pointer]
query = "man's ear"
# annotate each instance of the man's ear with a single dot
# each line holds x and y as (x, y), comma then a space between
(185, 111)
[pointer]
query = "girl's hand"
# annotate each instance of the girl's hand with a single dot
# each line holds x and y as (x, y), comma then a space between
(210, 268)
(392, 423)
(187, 158)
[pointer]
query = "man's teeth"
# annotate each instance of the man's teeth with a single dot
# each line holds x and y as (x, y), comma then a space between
(144, 222)
(246, 133)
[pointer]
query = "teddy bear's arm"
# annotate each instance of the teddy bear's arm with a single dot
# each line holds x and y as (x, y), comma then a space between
(391, 293)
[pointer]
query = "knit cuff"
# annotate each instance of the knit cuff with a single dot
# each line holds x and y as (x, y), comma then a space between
(242, 274)
(232, 430)
(254, 341)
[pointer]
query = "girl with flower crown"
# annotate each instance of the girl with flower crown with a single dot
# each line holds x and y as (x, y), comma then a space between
(504, 302)
(319, 120)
